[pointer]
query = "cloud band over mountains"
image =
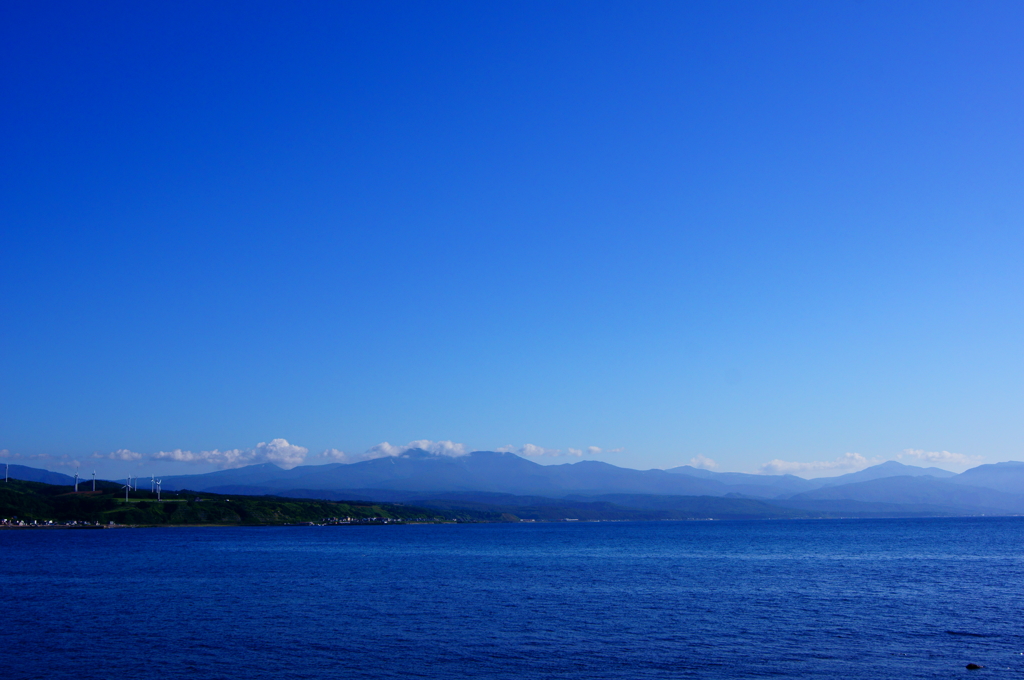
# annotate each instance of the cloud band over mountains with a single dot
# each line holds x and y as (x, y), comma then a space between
(284, 454)
(277, 451)
(848, 462)
(940, 457)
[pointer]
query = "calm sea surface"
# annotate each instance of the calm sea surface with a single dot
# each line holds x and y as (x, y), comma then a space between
(813, 599)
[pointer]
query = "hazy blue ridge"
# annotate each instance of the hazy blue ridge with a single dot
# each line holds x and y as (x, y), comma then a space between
(889, 468)
(505, 480)
(418, 472)
(776, 483)
(480, 471)
(31, 474)
(1007, 477)
(921, 491)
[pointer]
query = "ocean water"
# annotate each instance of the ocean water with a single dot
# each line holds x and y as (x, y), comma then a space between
(799, 599)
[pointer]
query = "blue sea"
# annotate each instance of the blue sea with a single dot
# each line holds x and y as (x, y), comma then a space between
(792, 599)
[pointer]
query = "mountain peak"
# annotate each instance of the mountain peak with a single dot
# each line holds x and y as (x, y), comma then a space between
(418, 453)
(890, 468)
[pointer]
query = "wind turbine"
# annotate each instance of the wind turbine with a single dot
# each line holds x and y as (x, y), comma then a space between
(7, 471)
(127, 486)
(76, 481)
(93, 480)
(158, 483)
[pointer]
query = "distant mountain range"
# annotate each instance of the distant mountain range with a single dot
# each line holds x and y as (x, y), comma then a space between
(488, 477)
(493, 479)
(31, 474)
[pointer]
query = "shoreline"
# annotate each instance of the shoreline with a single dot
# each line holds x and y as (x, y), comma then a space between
(538, 521)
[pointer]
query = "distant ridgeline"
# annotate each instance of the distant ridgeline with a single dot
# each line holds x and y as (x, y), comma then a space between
(492, 486)
(509, 483)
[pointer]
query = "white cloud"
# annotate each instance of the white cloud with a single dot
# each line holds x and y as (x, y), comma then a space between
(180, 456)
(940, 457)
(277, 451)
(441, 448)
(120, 454)
(848, 462)
(336, 455)
(383, 450)
(65, 460)
(703, 463)
(531, 450)
(594, 450)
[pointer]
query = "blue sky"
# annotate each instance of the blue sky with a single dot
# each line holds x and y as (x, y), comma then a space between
(737, 232)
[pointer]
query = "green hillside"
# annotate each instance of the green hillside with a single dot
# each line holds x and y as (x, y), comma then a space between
(38, 502)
